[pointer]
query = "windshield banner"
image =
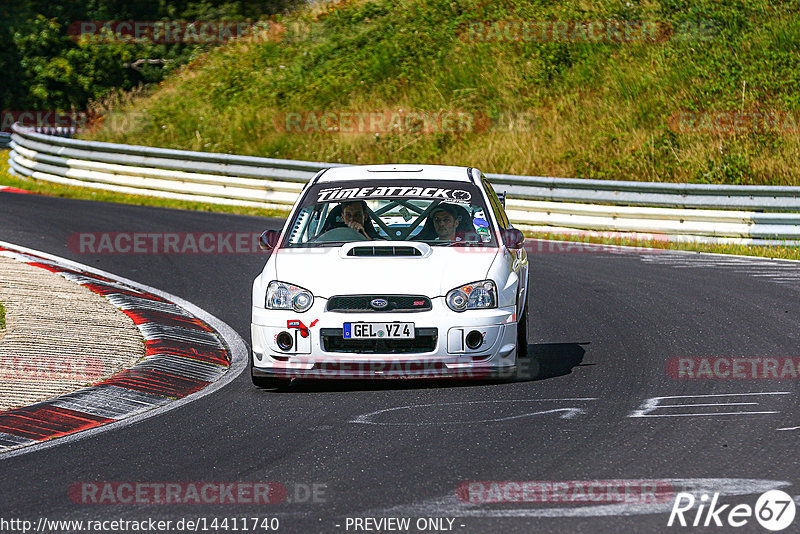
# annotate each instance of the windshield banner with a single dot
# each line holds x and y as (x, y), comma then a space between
(422, 193)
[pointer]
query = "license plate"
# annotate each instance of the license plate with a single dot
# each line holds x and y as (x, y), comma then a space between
(379, 330)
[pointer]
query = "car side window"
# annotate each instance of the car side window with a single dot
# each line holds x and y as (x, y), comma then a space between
(497, 207)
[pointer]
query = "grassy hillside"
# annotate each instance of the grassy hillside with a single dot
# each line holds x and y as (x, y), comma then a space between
(560, 106)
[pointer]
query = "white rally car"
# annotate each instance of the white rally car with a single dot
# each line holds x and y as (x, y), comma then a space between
(391, 271)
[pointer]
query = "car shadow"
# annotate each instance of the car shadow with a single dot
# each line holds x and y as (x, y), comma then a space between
(547, 360)
(553, 359)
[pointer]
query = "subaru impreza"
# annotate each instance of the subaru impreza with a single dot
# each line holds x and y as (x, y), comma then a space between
(391, 271)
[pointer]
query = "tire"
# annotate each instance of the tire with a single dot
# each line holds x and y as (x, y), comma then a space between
(528, 365)
(522, 335)
(268, 382)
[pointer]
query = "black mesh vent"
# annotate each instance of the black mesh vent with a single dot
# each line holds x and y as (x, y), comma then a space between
(384, 251)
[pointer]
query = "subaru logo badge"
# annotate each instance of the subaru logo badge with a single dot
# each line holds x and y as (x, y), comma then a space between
(379, 304)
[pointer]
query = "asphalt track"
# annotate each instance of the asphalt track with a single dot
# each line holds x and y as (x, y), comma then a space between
(604, 325)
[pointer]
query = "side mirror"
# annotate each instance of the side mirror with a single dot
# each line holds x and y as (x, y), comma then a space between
(269, 239)
(513, 238)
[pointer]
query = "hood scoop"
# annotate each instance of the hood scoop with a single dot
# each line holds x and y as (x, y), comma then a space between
(386, 249)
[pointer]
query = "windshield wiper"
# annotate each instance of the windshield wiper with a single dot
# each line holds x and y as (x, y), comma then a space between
(315, 244)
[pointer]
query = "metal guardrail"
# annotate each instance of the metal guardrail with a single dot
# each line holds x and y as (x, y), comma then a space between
(754, 197)
(694, 211)
(5, 140)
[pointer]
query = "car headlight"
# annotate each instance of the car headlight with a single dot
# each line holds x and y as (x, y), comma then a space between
(475, 296)
(283, 296)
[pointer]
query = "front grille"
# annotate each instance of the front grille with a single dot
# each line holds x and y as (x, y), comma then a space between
(424, 341)
(395, 303)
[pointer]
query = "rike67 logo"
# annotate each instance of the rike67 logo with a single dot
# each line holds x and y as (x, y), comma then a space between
(774, 510)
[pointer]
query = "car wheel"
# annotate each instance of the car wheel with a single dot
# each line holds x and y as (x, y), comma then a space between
(268, 382)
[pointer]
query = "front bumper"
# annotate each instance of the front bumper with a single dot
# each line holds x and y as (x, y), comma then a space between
(439, 349)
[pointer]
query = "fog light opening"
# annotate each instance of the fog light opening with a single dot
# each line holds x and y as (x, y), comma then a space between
(474, 339)
(284, 341)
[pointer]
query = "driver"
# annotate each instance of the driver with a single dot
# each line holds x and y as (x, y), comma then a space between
(445, 221)
(354, 216)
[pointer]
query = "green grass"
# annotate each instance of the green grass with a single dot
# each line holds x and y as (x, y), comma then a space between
(573, 109)
(58, 190)
(2, 317)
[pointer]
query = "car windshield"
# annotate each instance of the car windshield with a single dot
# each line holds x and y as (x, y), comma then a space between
(441, 213)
